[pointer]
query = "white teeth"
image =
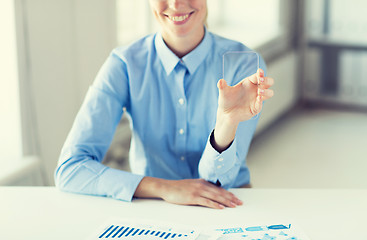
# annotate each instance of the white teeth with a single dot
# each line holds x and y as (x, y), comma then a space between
(178, 18)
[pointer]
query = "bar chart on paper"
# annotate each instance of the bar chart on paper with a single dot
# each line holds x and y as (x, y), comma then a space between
(137, 230)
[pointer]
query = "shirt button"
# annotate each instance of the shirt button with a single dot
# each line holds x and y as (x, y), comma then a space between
(220, 159)
(181, 131)
(219, 166)
(181, 101)
(182, 158)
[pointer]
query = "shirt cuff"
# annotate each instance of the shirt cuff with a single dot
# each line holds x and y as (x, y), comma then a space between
(214, 166)
(119, 184)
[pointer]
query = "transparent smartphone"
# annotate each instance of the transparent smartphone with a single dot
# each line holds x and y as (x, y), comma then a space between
(238, 65)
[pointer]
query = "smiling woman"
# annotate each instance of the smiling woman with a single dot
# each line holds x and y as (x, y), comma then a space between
(191, 130)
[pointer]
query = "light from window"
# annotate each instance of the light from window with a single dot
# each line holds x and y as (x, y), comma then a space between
(250, 22)
(10, 125)
(134, 20)
(338, 19)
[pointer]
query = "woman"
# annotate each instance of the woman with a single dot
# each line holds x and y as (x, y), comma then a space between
(190, 133)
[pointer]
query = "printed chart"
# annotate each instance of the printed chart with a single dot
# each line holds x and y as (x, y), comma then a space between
(149, 231)
(152, 230)
(263, 232)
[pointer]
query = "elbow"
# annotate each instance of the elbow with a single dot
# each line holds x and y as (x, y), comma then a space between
(64, 174)
(60, 179)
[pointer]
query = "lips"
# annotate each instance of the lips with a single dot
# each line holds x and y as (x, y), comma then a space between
(179, 18)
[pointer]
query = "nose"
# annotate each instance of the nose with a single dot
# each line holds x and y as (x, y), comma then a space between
(176, 4)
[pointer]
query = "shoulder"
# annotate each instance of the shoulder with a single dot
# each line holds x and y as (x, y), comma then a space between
(222, 44)
(124, 58)
(136, 50)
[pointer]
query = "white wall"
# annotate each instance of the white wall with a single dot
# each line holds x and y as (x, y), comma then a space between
(65, 43)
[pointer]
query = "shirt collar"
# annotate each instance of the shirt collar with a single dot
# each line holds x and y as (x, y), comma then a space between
(192, 60)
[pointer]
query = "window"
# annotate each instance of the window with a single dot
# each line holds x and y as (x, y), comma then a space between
(337, 41)
(250, 22)
(17, 167)
(339, 19)
(10, 123)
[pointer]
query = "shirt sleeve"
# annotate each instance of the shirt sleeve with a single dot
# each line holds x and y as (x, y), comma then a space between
(223, 168)
(79, 168)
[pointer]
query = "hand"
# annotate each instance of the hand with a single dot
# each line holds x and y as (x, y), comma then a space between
(187, 192)
(244, 100)
(239, 103)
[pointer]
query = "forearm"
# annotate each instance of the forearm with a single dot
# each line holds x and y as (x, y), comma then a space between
(150, 187)
(79, 175)
(224, 132)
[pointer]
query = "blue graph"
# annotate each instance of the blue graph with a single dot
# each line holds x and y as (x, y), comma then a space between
(129, 232)
(262, 232)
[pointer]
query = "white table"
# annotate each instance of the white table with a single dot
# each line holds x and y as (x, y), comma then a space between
(46, 213)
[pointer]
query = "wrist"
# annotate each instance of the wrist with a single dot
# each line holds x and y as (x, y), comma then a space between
(224, 132)
(225, 119)
(151, 187)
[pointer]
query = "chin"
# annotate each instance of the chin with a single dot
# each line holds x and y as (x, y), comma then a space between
(183, 31)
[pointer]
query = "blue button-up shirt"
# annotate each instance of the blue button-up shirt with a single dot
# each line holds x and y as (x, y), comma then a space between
(171, 104)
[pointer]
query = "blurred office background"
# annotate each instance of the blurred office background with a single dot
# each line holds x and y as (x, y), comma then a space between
(310, 135)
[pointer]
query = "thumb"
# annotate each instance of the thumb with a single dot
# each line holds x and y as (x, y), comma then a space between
(222, 84)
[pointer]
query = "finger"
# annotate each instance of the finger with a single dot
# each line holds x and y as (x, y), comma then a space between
(255, 78)
(266, 82)
(222, 84)
(260, 76)
(265, 93)
(232, 197)
(225, 195)
(202, 201)
(236, 199)
(260, 72)
(217, 197)
(258, 105)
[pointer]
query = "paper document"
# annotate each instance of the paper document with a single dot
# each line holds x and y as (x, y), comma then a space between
(263, 232)
(153, 230)
(139, 229)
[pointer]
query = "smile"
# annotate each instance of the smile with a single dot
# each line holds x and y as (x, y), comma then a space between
(179, 19)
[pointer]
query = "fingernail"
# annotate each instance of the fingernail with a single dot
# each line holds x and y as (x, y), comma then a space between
(239, 202)
(221, 206)
(262, 90)
(233, 204)
(262, 80)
